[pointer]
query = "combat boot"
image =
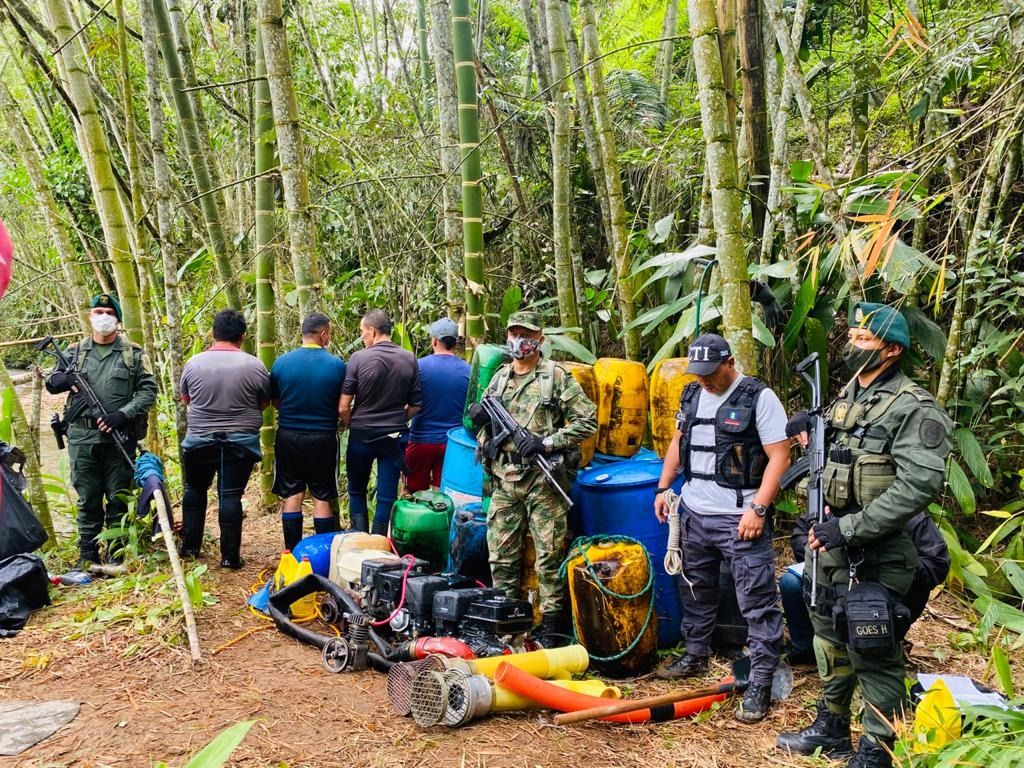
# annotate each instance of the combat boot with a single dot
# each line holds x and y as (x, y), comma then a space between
(754, 706)
(872, 753)
(829, 732)
(689, 665)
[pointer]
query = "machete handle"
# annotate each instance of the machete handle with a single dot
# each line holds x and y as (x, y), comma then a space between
(632, 705)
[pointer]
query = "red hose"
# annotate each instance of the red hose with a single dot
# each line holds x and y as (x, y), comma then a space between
(446, 646)
(553, 697)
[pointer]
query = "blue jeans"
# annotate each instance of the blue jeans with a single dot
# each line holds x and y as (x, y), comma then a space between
(801, 633)
(359, 458)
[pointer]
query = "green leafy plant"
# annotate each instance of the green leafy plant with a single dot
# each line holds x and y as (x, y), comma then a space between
(216, 753)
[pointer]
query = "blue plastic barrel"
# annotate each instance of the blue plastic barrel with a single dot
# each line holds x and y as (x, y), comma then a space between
(603, 459)
(619, 499)
(318, 549)
(467, 543)
(462, 478)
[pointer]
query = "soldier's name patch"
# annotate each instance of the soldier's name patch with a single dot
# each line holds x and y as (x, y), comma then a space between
(932, 433)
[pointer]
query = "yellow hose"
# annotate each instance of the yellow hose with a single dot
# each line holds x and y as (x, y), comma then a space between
(546, 663)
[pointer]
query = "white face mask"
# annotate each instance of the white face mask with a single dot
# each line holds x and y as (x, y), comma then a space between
(104, 325)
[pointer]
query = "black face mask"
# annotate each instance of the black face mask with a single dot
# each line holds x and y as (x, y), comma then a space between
(859, 360)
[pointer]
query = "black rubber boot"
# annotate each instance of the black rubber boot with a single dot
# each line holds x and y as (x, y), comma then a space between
(799, 657)
(360, 522)
(291, 525)
(829, 732)
(552, 632)
(326, 524)
(689, 665)
(872, 753)
(88, 556)
(230, 546)
(754, 706)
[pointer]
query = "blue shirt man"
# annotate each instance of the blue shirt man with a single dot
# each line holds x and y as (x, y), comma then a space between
(444, 379)
(305, 387)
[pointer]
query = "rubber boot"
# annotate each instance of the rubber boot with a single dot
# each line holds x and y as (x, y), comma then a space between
(360, 522)
(231, 545)
(326, 524)
(192, 534)
(829, 732)
(291, 524)
(872, 753)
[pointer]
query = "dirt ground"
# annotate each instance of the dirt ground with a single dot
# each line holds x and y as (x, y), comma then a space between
(143, 701)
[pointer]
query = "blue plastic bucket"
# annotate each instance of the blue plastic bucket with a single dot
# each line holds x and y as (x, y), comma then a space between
(462, 478)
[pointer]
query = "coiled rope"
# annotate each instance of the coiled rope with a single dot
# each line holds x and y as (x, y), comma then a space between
(579, 549)
(674, 550)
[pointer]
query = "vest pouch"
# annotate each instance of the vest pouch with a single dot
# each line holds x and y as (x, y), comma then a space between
(873, 474)
(869, 616)
(837, 482)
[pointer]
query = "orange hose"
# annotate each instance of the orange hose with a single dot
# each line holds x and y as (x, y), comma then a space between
(553, 697)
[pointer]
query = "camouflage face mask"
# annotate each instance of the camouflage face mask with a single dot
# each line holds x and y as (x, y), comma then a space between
(521, 347)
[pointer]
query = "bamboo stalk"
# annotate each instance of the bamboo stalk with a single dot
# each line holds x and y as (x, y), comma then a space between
(179, 576)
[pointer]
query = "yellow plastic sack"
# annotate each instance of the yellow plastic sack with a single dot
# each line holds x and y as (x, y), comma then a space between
(937, 720)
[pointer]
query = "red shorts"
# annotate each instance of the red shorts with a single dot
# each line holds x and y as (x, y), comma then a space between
(424, 460)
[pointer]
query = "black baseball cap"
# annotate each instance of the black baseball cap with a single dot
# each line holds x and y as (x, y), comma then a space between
(706, 353)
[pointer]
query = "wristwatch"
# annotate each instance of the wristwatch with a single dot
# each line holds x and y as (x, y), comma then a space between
(548, 443)
(759, 509)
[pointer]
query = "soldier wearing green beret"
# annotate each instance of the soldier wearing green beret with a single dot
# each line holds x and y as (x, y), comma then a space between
(886, 446)
(544, 398)
(118, 372)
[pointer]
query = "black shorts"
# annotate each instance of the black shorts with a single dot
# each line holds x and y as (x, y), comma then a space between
(306, 460)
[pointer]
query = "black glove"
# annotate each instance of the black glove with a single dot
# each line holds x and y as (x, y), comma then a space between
(797, 423)
(528, 444)
(829, 535)
(58, 382)
(115, 420)
(478, 415)
(762, 294)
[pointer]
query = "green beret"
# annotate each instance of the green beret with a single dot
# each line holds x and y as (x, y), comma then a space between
(882, 320)
(106, 300)
(528, 320)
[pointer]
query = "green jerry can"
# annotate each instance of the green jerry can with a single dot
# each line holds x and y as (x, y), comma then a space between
(487, 358)
(420, 525)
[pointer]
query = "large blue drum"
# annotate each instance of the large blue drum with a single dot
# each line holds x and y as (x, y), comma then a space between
(618, 499)
(462, 478)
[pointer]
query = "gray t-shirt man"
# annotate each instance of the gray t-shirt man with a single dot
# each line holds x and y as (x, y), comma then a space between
(383, 379)
(225, 389)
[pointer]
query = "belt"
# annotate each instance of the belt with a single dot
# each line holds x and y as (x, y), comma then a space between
(514, 457)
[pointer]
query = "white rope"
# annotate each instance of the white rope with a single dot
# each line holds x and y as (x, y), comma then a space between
(674, 550)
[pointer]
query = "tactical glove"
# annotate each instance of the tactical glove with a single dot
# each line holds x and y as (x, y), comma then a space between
(797, 423)
(829, 535)
(115, 420)
(58, 382)
(478, 415)
(528, 444)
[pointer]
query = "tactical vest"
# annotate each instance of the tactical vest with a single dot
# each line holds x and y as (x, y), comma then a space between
(554, 417)
(859, 466)
(740, 459)
(129, 356)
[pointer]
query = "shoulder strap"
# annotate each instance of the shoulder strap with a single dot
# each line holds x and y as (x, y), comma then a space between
(747, 391)
(501, 378)
(546, 374)
(689, 396)
(906, 387)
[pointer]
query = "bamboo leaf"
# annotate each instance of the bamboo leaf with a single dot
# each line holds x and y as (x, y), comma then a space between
(572, 347)
(974, 456)
(679, 258)
(801, 170)
(216, 753)
(1015, 575)
(961, 487)
(925, 331)
(662, 229)
(510, 302)
(1003, 671)
(801, 307)
(761, 332)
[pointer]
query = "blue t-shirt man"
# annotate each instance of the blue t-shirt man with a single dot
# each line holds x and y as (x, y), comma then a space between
(444, 379)
(306, 386)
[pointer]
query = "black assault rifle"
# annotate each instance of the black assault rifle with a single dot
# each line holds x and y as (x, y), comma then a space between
(505, 428)
(84, 398)
(810, 371)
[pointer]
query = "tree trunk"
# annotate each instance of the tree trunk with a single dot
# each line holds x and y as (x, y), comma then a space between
(727, 199)
(622, 260)
(448, 122)
(424, 52)
(266, 330)
(469, 143)
(861, 85)
(725, 11)
(561, 180)
(23, 439)
(755, 113)
(92, 140)
(540, 61)
(197, 145)
(164, 214)
(663, 69)
(301, 232)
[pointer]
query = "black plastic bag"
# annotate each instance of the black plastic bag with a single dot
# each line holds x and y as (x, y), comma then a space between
(20, 531)
(24, 587)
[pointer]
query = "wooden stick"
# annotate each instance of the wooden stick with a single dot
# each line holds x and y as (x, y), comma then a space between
(624, 707)
(179, 575)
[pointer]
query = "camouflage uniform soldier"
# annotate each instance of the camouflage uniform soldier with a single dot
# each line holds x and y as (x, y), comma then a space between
(886, 447)
(117, 372)
(546, 400)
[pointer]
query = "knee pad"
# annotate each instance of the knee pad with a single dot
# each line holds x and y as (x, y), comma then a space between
(833, 659)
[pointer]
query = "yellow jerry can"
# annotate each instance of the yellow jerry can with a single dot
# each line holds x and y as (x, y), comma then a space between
(621, 405)
(611, 592)
(668, 380)
(584, 375)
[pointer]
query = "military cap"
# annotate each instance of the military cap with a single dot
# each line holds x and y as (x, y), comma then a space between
(882, 320)
(106, 300)
(528, 320)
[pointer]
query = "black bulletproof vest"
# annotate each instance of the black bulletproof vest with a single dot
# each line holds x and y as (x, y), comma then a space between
(740, 458)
